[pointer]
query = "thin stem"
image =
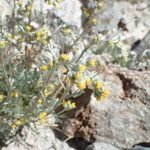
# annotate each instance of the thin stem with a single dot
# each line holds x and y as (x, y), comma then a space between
(90, 45)
(13, 17)
(4, 70)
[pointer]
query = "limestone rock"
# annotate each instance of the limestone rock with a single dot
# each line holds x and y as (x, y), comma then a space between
(70, 12)
(124, 121)
(42, 139)
(101, 146)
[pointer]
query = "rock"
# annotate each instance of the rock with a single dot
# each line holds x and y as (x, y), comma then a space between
(70, 12)
(144, 44)
(141, 146)
(121, 120)
(5, 9)
(141, 6)
(41, 139)
(79, 143)
(110, 16)
(79, 122)
(142, 51)
(101, 146)
(133, 18)
(124, 121)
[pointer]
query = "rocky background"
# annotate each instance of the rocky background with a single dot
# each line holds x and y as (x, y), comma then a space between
(122, 121)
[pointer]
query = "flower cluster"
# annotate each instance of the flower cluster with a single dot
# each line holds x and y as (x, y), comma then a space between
(64, 57)
(2, 97)
(80, 76)
(53, 3)
(41, 35)
(66, 30)
(2, 43)
(99, 91)
(18, 122)
(33, 86)
(42, 117)
(68, 104)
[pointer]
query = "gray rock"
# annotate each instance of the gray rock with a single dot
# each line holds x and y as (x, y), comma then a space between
(135, 21)
(5, 8)
(143, 46)
(109, 18)
(140, 148)
(41, 139)
(124, 120)
(101, 146)
(142, 59)
(70, 12)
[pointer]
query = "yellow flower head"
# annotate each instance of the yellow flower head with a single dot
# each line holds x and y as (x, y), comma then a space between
(81, 68)
(103, 95)
(93, 21)
(2, 97)
(13, 126)
(44, 68)
(100, 5)
(68, 104)
(42, 115)
(64, 57)
(40, 101)
(88, 80)
(38, 33)
(46, 93)
(64, 103)
(91, 63)
(14, 94)
(81, 85)
(66, 30)
(38, 38)
(29, 8)
(97, 84)
(54, 3)
(50, 64)
(28, 28)
(20, 3)
(73, 105)
(78, 75)
(18, 122)
(42, 118)
(2, 43)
